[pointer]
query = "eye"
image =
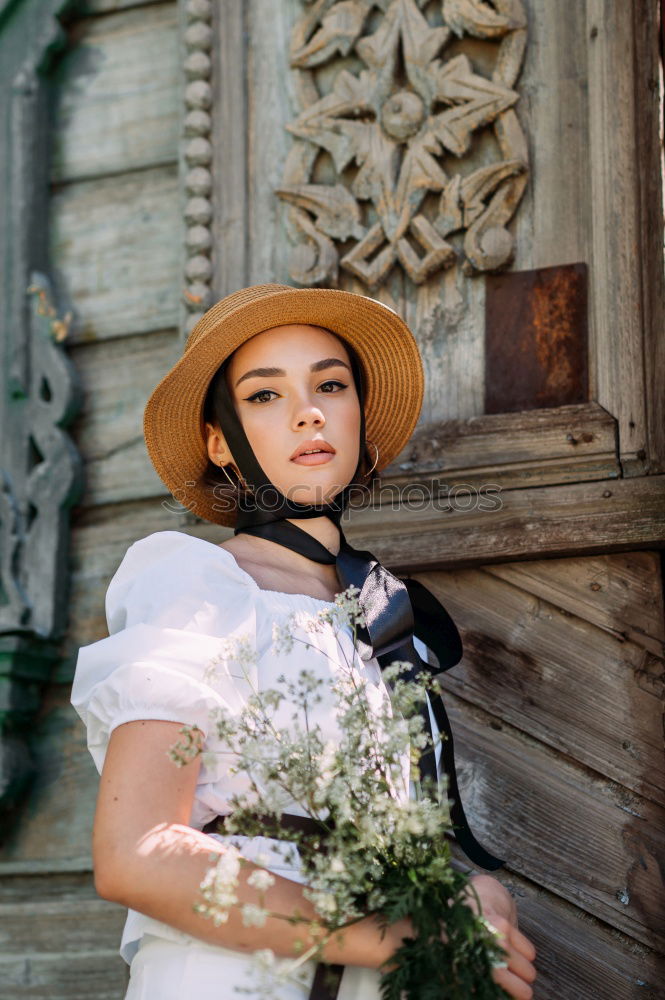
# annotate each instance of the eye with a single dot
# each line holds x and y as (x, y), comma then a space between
(261, 392)
(340, 385)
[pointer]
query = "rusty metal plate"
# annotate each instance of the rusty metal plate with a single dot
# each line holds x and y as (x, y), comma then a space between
(536, 338)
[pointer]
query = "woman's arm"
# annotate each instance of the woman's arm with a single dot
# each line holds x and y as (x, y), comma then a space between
(146, 857)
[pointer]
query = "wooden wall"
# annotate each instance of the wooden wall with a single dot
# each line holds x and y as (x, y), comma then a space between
(557, 704)
(113, 222)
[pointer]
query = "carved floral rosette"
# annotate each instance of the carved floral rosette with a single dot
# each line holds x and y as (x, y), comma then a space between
(399, 116)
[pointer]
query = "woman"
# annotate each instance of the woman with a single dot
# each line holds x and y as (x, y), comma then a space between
(283, 401)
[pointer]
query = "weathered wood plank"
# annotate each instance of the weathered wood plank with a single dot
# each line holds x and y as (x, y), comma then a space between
(568, 683)
(61, 927)
(573, 519)
(58, 823)
(45, 880)
(270, 100)
(117, 89)
(649, 147)
(117, 255)
(565, 828)
(621, 593)
(552, 224)
(109, 429)
(99, 974)
(87, 7)
(615, 278)
(230, 139)
(532, 447)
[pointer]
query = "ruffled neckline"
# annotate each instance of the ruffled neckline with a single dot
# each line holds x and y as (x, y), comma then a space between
(250, 581)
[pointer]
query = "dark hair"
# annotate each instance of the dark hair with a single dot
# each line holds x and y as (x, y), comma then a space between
(215, 482)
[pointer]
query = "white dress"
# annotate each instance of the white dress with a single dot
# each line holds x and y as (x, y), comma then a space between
(171, 601)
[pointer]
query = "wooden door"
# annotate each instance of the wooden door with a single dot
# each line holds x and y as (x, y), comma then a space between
(532, 278)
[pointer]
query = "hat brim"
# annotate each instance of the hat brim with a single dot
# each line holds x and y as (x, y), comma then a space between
(390, 359)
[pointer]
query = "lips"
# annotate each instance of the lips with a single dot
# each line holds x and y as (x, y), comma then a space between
(318, 446)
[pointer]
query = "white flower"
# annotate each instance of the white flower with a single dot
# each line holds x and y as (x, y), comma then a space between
(265, 959)
(219, 885)
(253, 916)
(282, 637)
(346, 610)
(261, 879)
(337, 866)
(416, 826)
(232, 649)
(324, 902)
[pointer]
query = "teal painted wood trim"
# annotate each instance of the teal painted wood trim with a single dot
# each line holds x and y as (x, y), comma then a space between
(40, 469)
(25, 665)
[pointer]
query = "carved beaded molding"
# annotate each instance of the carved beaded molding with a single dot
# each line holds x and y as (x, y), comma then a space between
(198, 153)
(397, 120)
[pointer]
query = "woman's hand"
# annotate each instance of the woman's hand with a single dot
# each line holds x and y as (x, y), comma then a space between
(499, 909)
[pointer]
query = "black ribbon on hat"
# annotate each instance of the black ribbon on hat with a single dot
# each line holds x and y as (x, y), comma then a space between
(395, 610)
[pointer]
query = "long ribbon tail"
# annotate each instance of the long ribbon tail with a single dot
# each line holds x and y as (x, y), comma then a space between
(435, 627)
(474, 851)
(327, 979)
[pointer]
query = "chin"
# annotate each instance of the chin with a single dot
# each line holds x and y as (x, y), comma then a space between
(315, 494)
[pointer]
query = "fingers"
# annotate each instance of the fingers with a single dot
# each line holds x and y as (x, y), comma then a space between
(520, 972)
(512, 984)
(522, 944)
(509, 932)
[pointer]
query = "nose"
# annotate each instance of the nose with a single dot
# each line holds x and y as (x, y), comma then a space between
(306, 412)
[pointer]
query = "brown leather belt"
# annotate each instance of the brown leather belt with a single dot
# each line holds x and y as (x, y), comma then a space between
(327, 978)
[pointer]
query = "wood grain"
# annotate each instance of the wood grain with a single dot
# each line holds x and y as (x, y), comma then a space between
(40, 976)
(117, 254)
(649, 144)
(230, 148)
(569, 684)
(532, 447)
(117, 95)
(621, 593)
(109, 429)
(575, 518)
(563, 827)
(615, 279)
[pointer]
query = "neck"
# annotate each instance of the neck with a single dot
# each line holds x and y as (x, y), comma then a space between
(321, 528)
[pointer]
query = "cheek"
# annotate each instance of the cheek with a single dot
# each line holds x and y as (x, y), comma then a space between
(353, 420)
(262, 434)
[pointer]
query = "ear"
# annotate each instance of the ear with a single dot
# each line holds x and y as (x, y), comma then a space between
(218, 450)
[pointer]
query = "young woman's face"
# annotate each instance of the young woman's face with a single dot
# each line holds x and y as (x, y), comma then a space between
(293, 389)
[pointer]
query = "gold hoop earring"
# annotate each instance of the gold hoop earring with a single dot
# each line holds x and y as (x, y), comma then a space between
(366, 474)
(223, 468)
(240, 484)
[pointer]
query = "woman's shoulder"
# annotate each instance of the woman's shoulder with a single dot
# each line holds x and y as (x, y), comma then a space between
(178, 550)
(167, 568)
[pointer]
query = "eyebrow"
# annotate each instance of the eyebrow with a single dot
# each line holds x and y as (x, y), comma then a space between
(317, 366)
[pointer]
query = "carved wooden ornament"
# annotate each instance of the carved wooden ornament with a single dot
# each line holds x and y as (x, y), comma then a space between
(400, 133)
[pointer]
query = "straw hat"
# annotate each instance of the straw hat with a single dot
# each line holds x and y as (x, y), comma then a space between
(173, 421)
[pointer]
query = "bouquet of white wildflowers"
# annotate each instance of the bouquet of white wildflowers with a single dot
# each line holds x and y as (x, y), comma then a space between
(380, 843)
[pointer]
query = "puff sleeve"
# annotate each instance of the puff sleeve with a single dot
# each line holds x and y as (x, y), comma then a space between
(168, 605)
